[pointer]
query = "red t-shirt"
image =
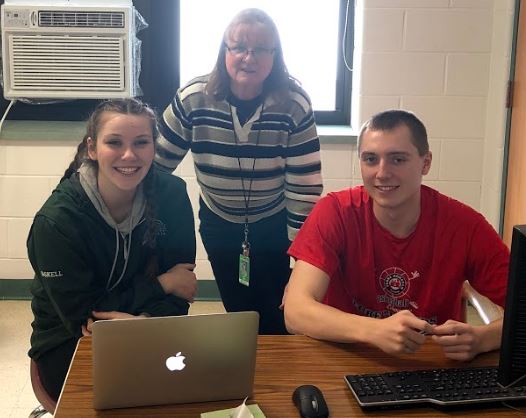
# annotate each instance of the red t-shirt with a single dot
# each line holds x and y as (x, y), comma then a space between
(374, 273)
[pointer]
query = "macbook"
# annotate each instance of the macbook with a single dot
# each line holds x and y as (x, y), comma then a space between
(178, 359)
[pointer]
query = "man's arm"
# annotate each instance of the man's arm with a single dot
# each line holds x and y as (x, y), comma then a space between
(487, 271)
(306, 314)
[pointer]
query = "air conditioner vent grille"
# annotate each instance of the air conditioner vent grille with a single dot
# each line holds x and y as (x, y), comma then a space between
(80, 19)
(66, 63)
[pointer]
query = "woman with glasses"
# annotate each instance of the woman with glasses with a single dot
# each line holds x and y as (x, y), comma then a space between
(251, 130)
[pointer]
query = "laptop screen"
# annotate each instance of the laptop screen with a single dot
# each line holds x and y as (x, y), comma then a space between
(154, 361)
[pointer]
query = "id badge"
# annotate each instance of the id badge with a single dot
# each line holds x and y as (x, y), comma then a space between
(244, 270)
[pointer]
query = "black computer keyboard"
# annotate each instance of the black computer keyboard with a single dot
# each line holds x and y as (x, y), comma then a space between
(444, 387)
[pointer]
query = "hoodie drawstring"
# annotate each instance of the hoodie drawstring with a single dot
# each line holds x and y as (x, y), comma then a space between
(114, 260)
(126, 252)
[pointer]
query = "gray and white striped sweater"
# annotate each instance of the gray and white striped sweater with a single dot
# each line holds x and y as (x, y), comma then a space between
(287, 171)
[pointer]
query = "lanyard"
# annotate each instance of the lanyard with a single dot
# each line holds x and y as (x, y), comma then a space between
(245, 246)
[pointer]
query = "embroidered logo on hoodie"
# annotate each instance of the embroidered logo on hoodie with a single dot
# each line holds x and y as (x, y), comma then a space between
(51, 274)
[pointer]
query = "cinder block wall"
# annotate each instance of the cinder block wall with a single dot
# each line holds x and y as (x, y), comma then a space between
(448, 61)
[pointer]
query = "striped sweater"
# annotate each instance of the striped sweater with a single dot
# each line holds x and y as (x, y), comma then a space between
(281, 137)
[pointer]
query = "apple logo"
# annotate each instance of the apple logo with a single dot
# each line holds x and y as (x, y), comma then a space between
(175, 362)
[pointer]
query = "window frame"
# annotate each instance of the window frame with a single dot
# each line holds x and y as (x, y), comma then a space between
(342, 113)
(158, 14)
(159, 78)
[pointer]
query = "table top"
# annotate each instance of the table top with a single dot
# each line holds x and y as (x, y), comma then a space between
(283, 363)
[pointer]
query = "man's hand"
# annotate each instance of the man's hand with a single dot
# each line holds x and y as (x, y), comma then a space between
(86, 329)
(401, 333)
(459, 341)
(180, 281)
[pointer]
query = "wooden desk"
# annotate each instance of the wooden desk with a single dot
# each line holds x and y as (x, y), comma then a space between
(283, 363)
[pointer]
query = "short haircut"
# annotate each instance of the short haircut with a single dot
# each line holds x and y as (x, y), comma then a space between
(392, 119)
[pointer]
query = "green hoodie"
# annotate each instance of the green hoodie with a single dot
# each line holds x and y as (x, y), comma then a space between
(73, 249)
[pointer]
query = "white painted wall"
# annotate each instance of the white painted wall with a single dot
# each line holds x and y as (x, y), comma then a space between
(446, 60)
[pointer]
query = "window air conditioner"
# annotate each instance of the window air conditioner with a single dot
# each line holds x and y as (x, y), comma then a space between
(67, 51)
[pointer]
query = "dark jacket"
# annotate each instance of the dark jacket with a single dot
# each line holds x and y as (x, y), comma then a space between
(72, 250)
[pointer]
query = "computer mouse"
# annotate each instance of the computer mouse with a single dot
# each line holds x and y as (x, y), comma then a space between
(310, 402)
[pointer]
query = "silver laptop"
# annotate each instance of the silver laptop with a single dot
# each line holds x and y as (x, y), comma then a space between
(177, 359)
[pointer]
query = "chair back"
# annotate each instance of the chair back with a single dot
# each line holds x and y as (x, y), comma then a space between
(42, 396)
(487, 310)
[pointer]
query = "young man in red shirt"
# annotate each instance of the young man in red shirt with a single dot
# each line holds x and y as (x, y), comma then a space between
(384, 263)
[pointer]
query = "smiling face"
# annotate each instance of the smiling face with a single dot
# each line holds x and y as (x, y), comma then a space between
(124, 150)
(248, 71)
(392, 169)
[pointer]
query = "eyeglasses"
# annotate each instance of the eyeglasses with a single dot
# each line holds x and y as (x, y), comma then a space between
(257, 52)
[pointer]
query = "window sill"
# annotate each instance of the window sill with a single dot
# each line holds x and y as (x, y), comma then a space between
(336, 134)
(43, 130)
(74, 131)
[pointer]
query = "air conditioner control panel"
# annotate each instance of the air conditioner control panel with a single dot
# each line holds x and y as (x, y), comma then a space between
(16, 18)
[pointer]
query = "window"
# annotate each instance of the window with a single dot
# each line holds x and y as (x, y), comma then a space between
(183, 38)
(311, 34)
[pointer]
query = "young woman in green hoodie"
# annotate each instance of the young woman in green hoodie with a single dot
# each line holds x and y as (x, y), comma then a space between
(115, 239)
